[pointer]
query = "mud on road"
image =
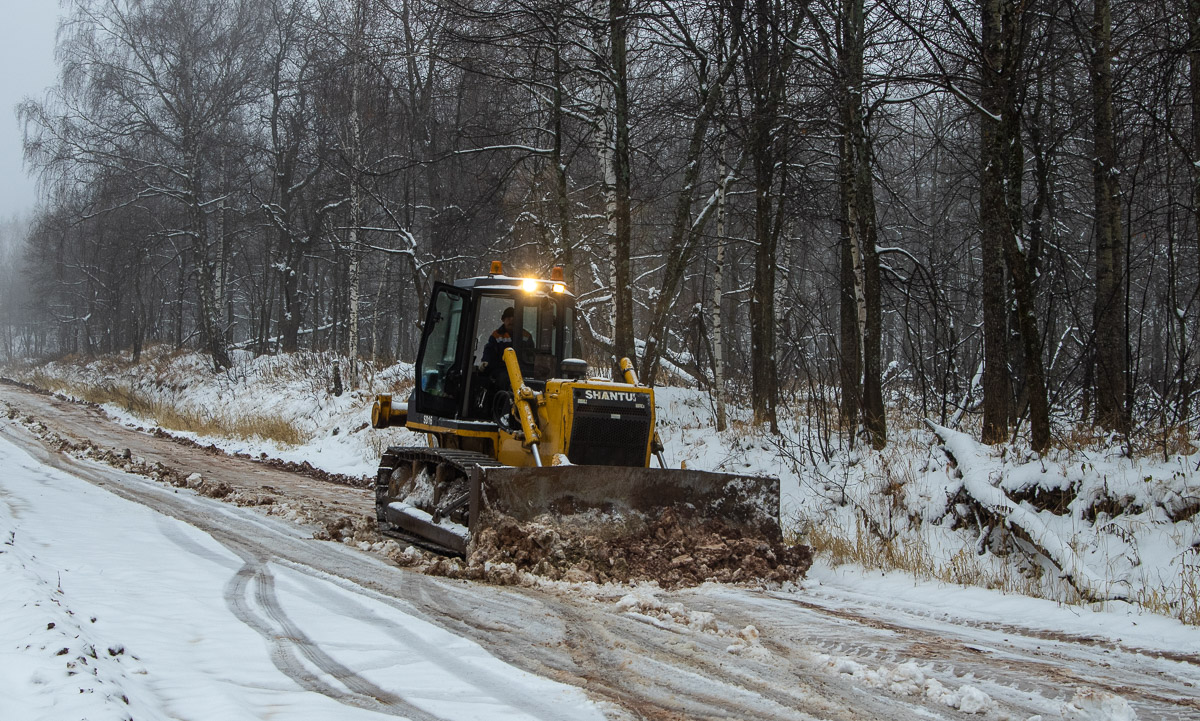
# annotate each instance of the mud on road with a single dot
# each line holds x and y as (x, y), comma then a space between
(709, 652)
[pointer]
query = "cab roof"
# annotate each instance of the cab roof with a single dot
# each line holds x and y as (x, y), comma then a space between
(508, 283)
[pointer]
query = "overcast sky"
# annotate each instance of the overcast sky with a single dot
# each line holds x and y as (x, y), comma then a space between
(26, 70)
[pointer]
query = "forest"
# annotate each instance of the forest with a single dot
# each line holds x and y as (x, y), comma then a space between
(980, 212)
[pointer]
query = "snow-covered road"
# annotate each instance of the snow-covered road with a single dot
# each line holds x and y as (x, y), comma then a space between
(112, 610)
(170, 604)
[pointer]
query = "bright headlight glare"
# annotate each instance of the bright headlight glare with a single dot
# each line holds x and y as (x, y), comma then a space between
(560, 288)
(529, 284)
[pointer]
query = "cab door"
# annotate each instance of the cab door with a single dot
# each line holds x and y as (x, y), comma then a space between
(442, 359)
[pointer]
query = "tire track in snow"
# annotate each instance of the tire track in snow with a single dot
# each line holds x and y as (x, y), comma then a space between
(289, 642)
(250, 569)
(1009, 658)
(833, 605)
(489, 683)
(714, 683)
(288, 646)
(929, 645)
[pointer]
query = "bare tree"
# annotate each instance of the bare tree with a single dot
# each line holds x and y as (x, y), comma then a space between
(768, 29)
(1108, 314)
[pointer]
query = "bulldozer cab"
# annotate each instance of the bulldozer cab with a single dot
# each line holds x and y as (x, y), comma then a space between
(462, 318)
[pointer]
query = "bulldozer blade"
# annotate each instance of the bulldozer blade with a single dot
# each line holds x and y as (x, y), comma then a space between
(600, 497)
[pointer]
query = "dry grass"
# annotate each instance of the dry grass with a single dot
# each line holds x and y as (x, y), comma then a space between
(1182, 601)
(174, 417)
(909, 555)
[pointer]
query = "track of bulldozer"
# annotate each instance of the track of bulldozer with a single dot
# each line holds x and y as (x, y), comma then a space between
(450, 470)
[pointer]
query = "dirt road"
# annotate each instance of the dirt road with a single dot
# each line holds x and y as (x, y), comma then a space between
(713, 652)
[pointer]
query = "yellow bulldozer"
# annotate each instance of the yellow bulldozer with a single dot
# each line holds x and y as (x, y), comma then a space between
(518, 430)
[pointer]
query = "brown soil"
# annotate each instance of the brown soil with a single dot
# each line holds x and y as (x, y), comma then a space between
(673, 550)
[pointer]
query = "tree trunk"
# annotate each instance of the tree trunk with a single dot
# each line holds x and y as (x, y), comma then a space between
(613, 148)
(850, 351)
(994, 224)
(1193, 51)
(874, 413)
(206, 283)
(622, 242)
(718, 341)
(354, 279)
(861, 310)
(1108, 313)
(1021, 261)
(762, 294)
(768, 38)
(564, 254)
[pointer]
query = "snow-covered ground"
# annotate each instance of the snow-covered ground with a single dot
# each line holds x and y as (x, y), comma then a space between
(111, 610)
(1089, 522)
(945, 507)
(114, 608)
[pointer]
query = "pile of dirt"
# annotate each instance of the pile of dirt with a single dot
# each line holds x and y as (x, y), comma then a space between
(673, 550)
(353, 530)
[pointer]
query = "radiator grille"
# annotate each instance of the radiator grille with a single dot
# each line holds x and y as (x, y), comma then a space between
(605, 433)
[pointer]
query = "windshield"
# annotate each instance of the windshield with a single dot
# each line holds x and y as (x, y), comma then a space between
(541, 333)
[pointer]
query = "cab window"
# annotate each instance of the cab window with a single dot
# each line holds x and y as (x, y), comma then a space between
(491, 312)
(539, 350)
(439, 378)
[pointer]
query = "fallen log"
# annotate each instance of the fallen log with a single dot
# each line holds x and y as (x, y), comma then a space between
(980, 472)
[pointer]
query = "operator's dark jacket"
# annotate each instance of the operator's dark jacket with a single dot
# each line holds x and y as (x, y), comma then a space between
(493, 354)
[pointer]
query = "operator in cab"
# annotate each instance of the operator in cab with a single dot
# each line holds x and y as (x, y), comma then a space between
(492, 363)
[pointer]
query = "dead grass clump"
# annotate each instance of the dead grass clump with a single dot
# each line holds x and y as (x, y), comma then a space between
(829, 542)
(1181, 599)
(172, 416)
(862, 547)
(266, 427)
(1177, 441)
(1148, 441)
(117, 394)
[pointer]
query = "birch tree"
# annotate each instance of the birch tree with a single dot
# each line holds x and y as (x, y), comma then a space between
(860, 304)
